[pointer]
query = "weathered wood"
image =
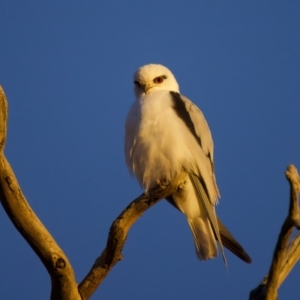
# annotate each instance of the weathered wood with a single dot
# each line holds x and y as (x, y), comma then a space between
(118, 234)
(64, 286)
(285, 254)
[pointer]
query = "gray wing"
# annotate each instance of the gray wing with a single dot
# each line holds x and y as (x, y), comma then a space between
(196, 123)
(230, 243)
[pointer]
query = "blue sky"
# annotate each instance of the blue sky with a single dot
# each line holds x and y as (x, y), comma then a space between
(67, 71)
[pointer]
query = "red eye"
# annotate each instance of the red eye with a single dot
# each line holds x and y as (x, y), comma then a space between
(158, 80)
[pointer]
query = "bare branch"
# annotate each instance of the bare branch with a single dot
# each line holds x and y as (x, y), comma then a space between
(292, 257)
(64, 286)
(285, 255)
(118, 234)
(27, 223)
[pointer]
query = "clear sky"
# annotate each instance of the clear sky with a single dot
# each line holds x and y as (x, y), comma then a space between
(67, 71)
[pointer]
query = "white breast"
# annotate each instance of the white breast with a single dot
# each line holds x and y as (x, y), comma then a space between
(157, 142)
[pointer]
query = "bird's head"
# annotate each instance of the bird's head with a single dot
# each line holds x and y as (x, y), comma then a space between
(150, 78)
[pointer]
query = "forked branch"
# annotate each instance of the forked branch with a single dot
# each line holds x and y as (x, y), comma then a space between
(64, 286)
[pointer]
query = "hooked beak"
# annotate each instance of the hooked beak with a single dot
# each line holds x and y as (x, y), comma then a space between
(143, 86)
(146, 88)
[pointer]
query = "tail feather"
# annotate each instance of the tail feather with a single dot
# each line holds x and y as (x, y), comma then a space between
(200, 236)
(205, 242)
(208, 207)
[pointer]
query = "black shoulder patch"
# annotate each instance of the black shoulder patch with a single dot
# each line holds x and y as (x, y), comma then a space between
(184, 115)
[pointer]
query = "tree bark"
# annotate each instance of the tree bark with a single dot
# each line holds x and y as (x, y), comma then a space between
(118, 234)
(285, 254)
(30, 227)
(64, 285)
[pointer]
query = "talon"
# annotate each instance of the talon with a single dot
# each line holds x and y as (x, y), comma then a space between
(182, 184)
(162, 183)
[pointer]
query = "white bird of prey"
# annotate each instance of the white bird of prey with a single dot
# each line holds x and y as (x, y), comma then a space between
(167, 134)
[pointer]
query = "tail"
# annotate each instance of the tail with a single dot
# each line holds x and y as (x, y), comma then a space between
(204, 238)
(204, 242)
(207, 207)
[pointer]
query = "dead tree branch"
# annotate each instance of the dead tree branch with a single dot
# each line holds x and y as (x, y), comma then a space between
(118, 234)
(64, 286)
(30, 227)
(285, 255)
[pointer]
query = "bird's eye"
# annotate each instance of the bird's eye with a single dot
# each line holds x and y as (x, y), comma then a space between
(158, 80)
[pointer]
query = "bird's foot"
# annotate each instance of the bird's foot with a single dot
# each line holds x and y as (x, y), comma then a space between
(163, 183)
(181, 184)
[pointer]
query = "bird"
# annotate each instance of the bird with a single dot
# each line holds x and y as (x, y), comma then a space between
(166, 134)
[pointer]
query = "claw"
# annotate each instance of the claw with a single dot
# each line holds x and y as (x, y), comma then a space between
(163, 183)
